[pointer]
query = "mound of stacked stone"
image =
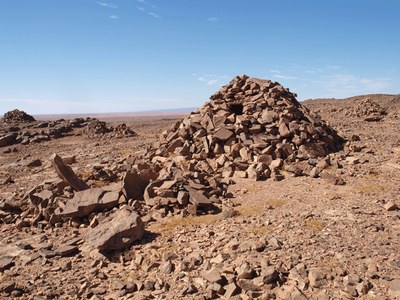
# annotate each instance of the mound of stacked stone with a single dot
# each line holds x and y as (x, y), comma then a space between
(369, 111)
(251, 128)
(96, 128)
(99, 129)
(17, 116)
(122, 130)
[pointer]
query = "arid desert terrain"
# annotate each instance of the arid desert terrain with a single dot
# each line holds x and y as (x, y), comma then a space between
(252, 196)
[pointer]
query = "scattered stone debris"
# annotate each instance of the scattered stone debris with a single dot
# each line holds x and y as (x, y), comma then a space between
(29, 131)
(82, 235)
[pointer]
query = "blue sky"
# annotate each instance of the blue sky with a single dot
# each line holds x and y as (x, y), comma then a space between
(71, 56)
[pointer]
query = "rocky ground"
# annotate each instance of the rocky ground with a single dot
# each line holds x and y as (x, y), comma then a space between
(296, 237)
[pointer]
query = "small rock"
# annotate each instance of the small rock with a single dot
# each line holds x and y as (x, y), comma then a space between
(394, 288)
(317, 278)
(390, 206)
(363, 287)
(245, 272)
(6, 262)
(270, 275)
(34, 163)
(274, 243)
(25, 246)
(213, 276)
(17, 293)
(7, 287)
(231, 290)
(167, 267)
(66, 250)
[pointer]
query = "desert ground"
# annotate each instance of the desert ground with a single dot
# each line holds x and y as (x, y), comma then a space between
(332, 236)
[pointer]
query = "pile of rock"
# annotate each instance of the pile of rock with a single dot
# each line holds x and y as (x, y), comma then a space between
(251, 128)
(369, 111)
(121, 130)
(96, 128)
(17, 116)
(99, 129)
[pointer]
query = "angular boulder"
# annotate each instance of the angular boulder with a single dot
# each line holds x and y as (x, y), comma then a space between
(118, 231)
(8, 139)
(67, 174)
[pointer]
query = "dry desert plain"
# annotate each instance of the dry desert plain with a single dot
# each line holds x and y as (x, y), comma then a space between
(327, 228)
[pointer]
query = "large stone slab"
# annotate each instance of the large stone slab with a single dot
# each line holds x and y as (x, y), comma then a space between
(223, 134)
(8, 139)
(118, 231)
(134, 185)
(67, 174)
(88, 201)
(197, 198)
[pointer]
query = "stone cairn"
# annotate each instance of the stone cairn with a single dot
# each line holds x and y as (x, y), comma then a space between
(99, 129)
(17, 116)
(251, 128)
(369, 111)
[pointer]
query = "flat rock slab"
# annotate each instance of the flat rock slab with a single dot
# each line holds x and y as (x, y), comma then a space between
(394, 288)
(66, 250)
(67, 174)
(118, 231)
(88, 201)
(197, 198)
(223, 134)
(6, 262)
(134, 185)
(8, 139)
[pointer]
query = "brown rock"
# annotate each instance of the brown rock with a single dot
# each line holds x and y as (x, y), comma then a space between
(245, 272)
(223, 134)
(118, 231)
(283, 130)
(317, 278)
(66, 250)
(197, 198)
(394, 288)
(183, 198)
(8, 139)
(213, 276)
(6, 262)
(34, 163)
(231, 290)
(86, 202)
(270, 275)
(67, 174)
(390, 206)
(134, 185)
